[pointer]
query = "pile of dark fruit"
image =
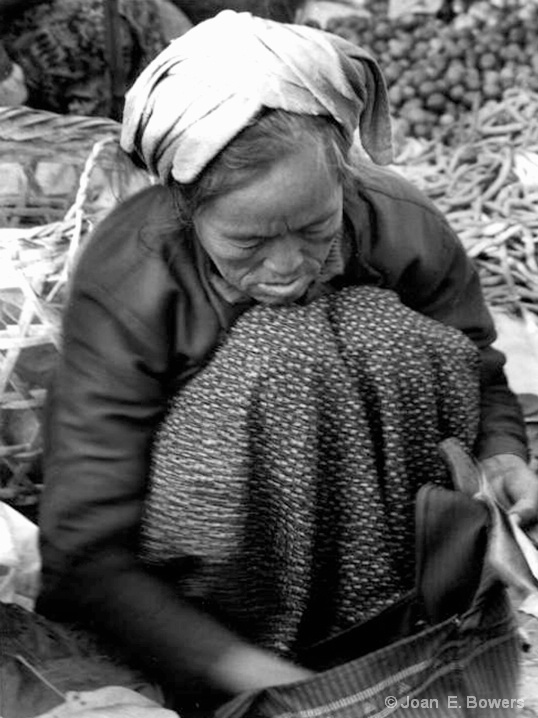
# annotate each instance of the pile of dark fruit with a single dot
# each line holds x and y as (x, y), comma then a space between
(436, 71)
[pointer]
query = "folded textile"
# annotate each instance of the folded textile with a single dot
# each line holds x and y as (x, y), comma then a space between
(108, 702)
(20, 563)
(284, 474)
(60, 46)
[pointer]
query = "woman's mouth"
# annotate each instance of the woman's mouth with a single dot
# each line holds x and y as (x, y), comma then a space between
(283, 290)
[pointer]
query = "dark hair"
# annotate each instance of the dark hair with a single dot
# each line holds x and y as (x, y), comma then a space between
(271, 135)
(280, 10)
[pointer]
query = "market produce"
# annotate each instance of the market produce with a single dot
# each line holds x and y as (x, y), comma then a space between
(464, 97)
(487, 187)
(435, 71)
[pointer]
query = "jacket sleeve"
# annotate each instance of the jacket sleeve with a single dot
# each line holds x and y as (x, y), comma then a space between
(103, 406)
(420, 256)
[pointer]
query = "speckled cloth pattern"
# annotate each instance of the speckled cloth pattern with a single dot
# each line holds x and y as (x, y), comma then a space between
(60, 44)
(284, 473)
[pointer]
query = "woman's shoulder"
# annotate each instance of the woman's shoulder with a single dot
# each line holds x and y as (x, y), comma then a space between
(386, 186)
(148, 209)
(138, 264)
(137, 236)
(395, 223)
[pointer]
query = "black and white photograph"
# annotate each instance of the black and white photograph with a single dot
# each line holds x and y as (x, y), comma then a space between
(269, 359)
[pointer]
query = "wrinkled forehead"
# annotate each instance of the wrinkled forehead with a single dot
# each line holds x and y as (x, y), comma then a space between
(294, 193)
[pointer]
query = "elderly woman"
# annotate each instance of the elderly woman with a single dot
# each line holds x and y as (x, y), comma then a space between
(261, 355)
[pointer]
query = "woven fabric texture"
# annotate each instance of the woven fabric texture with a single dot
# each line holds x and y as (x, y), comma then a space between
(284, 474)
(60, 44)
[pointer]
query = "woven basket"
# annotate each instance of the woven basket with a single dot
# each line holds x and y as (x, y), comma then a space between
(58, 176)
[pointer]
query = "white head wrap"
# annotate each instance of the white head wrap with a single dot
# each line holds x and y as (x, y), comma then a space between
(208, 84)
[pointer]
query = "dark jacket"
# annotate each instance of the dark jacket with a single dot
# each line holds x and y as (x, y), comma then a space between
(142, 318)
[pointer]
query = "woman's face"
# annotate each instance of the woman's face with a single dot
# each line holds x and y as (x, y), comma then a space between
(270, 238)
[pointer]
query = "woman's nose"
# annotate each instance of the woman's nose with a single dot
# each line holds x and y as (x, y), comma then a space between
(284, 256)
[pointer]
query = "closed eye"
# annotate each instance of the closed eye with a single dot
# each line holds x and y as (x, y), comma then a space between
(324, 229)
(248, 244)
(324, 234)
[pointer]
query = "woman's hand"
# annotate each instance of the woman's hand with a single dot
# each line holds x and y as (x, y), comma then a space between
(515, 485)
(246, 668)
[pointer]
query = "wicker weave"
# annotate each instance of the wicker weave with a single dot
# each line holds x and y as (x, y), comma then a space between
(58, 176)
(41, 157)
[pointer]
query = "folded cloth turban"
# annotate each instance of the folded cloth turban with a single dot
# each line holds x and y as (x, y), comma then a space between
(210, 83)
